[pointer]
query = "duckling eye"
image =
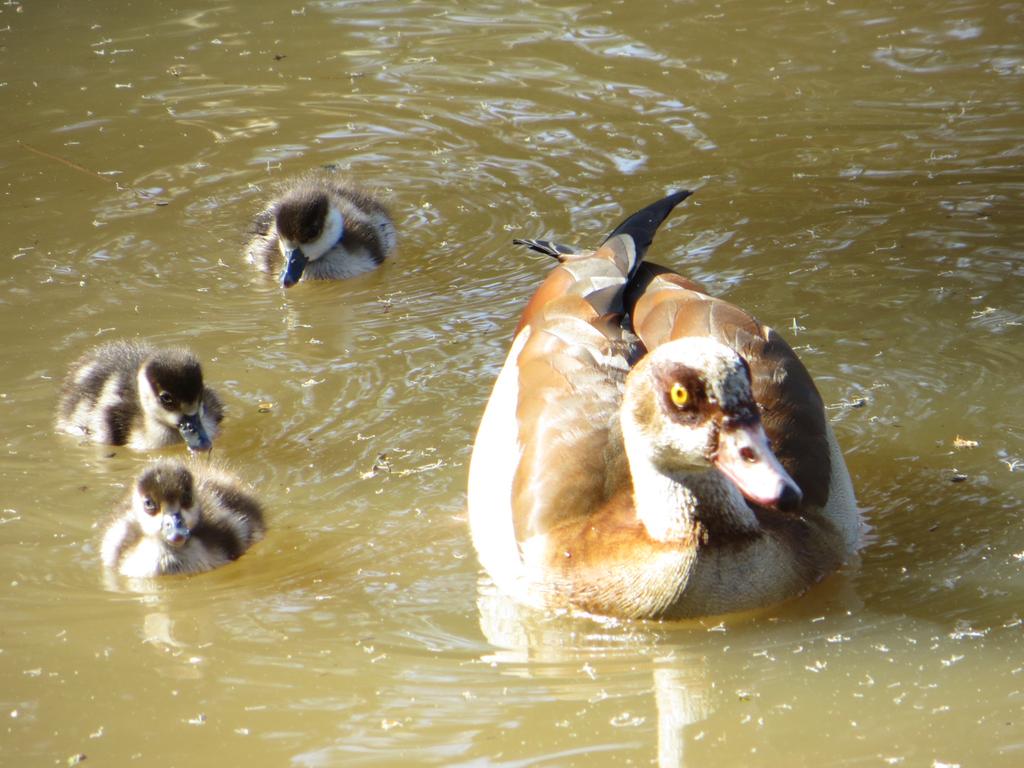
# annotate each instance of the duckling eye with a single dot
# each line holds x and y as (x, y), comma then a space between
(679, 394)
(166, 399)
(149, 505)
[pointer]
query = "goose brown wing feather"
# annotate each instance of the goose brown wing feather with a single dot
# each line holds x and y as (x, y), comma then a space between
(597, 280)
(543, 499)
(571, 372)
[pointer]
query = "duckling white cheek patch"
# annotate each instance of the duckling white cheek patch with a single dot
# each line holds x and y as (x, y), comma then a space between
(150, 402)
(334, 228)
(149, 524)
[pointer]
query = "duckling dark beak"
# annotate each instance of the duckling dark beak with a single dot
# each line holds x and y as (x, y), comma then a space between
(174, 530)
(191, 429)
(746, 458)
(293, 269)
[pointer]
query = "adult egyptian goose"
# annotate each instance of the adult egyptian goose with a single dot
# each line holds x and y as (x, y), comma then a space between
(649, 451)
(181, 518)
(132, 393)
(321, 227)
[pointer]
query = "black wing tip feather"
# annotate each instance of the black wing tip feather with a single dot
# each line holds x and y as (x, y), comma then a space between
(642, 225)
(547, 247)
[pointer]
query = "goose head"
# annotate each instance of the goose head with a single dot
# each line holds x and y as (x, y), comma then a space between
(308, 226)
(688, 408)
(171, 389)
(164, 503)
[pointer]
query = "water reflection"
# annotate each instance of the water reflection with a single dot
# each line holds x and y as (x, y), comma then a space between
(563, 652)
(572, 658)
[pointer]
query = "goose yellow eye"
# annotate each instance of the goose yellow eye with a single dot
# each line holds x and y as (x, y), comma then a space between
(679, 394)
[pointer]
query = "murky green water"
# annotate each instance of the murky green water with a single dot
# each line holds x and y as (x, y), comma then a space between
(860, 180)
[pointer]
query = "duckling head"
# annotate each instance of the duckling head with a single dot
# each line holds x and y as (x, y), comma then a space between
(308, 226)
(171, 388)
(164, 503)
(689, 407)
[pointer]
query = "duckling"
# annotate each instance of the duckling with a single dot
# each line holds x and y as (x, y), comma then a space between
(131, 393)
(181, 519)
(321, 227)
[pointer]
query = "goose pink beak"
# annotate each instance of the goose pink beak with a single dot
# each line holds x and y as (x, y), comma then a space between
(745, 457)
